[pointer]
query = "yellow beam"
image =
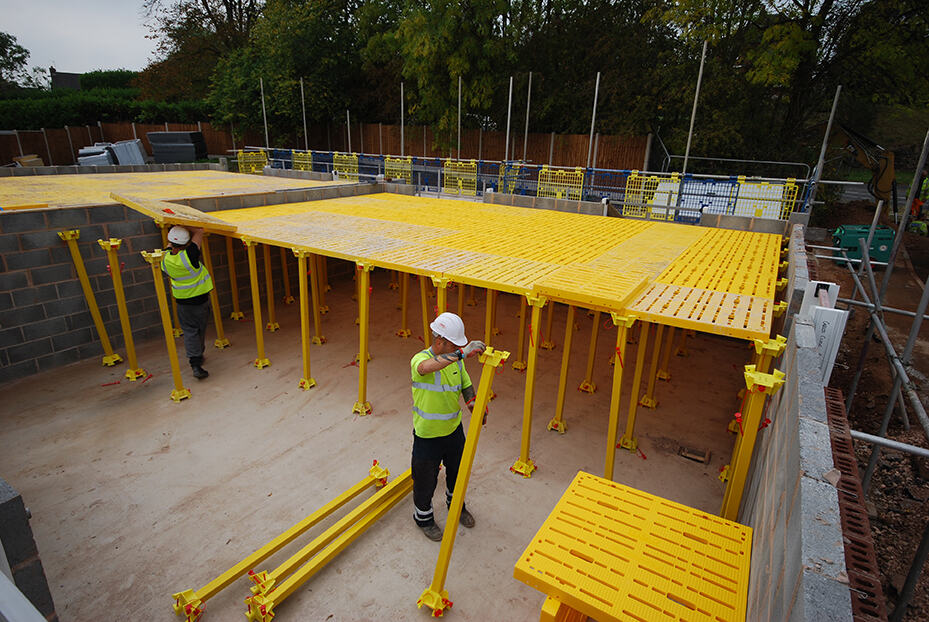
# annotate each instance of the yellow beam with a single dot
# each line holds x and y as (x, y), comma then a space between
(272, 324)
(628, 440)
(288, 298)
(587, 385)
(233, 283)
(313, 273)
(664, 371)
(436, 596)
(220, 341)
(520, 364)
(111, 247)
(155, 258)
(557, 422)
(71, 236)
(623, 323)
(176, 330)
(190, 603)
(427, 341)
(648, 400)
(547, 343)
(262, 360)
(404, 287)
(363, 406)
(306, 380)
(523, 465)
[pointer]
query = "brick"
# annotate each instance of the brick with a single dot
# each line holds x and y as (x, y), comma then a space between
(66, 289)
(72, 339)
(9, 242)
(34, 295)
(11, 336)
(30, 350)
(17, 371)
(70, 218)
(40, 239)
(125, 229)
(107, 213)
(57, 359)
(45, 328)
(17, 222)
(13, 280)
(65, 306)
(31, 581)
(21, 315)
(52, 274)
(27, 259)
(6, 301)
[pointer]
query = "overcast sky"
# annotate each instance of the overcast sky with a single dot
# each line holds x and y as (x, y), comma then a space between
(79, 35)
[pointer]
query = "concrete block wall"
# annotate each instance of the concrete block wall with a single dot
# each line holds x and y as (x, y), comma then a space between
(21, 553)
(26, 171)
(560, 205)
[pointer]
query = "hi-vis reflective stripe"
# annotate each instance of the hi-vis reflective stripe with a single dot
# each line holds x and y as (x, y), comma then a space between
(435, 416)
(194, 274)
(439, 388)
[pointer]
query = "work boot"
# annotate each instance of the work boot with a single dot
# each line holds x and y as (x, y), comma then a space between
(467, 520)
(432, 531)
(199, 372)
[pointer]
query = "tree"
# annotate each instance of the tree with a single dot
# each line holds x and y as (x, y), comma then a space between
(13, 57)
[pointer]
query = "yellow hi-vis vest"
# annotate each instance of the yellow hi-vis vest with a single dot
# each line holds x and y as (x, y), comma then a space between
(186, 281)
(435, 397)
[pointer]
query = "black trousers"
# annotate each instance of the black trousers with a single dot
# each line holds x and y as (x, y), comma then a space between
(193, 319)
(428, 454)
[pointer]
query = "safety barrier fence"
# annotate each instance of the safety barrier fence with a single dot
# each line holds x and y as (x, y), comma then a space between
(634, 194)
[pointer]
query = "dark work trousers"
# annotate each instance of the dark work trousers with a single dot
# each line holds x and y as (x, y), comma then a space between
(193, 320)
(427, 454)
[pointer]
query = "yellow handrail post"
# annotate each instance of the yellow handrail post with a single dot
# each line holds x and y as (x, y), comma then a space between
(519, 364)
(425, 305)
(233, 282)
(363, 406)
(587, 384)
(441, 288)
(648, 400)
(557, 422)
(628, 440)
(759, 386)
(176, 329)
(155, 258)
(111, 247)
(523, 465)
(436, 596)
(313, 273)
(664, 372)
(272, 324)
(71, 236)
(547, 343)
(461, 299)
(404, 284)
(306, 380)
(322, 280)
(285, 273)
(623, 323)
(220, 341)
(261, 361)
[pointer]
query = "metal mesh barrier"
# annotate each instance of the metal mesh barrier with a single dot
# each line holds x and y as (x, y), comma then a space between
(399, 168)
(651, 196)
(252, 162)
(560, 183)
(459, 177)
(302, 160)
(345, 165)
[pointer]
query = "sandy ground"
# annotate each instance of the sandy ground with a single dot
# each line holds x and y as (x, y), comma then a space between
(135, 497)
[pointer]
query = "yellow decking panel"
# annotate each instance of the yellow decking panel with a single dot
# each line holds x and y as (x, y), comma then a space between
(174, 213)
(95, 189)
(616, 553)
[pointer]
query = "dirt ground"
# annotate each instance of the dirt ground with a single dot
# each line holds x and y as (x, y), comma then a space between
(134, 497)
(899, 497)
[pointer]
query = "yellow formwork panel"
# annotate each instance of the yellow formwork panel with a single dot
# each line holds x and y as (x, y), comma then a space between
(302, 160)
(591, 287)
(560, 183)
(253, 162)
(459, 177)
(345, 165)
(399, 168)
(616, 553)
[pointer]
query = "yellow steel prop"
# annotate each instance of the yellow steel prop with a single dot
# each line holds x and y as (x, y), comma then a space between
(111, 247)
(404, 331)
(272, 324)
(233, 282)
(363, 406)
(190, 603)
(682, 348)
(306, 380)
(441, 288)
(587, 385)
(318, 338)
(71, 236)
(523, 465)
(155, 258)
(664, 372)
(261, 361)
(220, 341)
(519, 364)
(557, 422)
(425, 307)
(648, 400)
(623, 324)
(628, 440)
(288, 298)
(769, 350)
(461, 299)
(489, 317)
(164, 244)
(760, 386)
(547, 343)
(435, 596)
(322, 280)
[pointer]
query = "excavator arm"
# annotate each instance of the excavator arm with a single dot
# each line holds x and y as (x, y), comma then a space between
(871, 156)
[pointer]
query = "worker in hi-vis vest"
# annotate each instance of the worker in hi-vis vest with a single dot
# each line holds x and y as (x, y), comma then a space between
(439, 381)
(191, 286)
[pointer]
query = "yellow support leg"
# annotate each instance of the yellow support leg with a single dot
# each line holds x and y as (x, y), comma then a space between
(461, 299)
(272, 324)
(176, 330)
(623, 323)
(759, 386)
(523, 465)
(233, 282)
(520, 364)
(220, 341)
(628, 440)
(441, 288)
(71, 236)
(472, 301)
(682, 348)
(664, 371)
(155, 258)
(557, 422)
(313, 273)
(363, 406)
(547, 343)
(587, 385)
(393, 280)
(648, 400)
(769, 350)
(261, 361)
(488, 317)
(425, 308)
(436, 596)
(306, 380)
(190, 603)
(494, 329)
(111, 247)
(322, 279)
(288, 298)
(404, 331)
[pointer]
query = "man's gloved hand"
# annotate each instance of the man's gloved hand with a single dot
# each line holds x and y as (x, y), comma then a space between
(474, 347)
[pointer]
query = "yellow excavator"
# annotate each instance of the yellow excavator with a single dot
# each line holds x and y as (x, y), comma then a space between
(870, 155)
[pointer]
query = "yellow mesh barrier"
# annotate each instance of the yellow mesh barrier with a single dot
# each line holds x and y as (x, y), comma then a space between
(345, 165)
(509, 173)
(252, 162)
(560, 184)
(302, 160)
(459, 177)
(644, 191)
(399, 168)
(762, 199)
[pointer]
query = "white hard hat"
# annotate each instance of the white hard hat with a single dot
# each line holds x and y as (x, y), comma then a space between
(178, 235)
(450, 326)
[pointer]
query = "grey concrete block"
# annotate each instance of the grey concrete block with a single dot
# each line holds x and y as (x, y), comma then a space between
(29, 350)
(124, 229)
(815, 449)
(11, 336)
(21, 315)
(67, 289)
(57, 359)
(72, 339)
(27, 259)
(44, 328)
(40, 239)
(52, 274)
(27, 220)
(147, 242)
(13, 280)
(65, 306)
(59, 219)
(59, 254)
(11, 372)
(34, 295)
(77, 321)
(9, 243)
(823, 546)
(107, 213)
(821, 599)
(6, 301)
(91, 350)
